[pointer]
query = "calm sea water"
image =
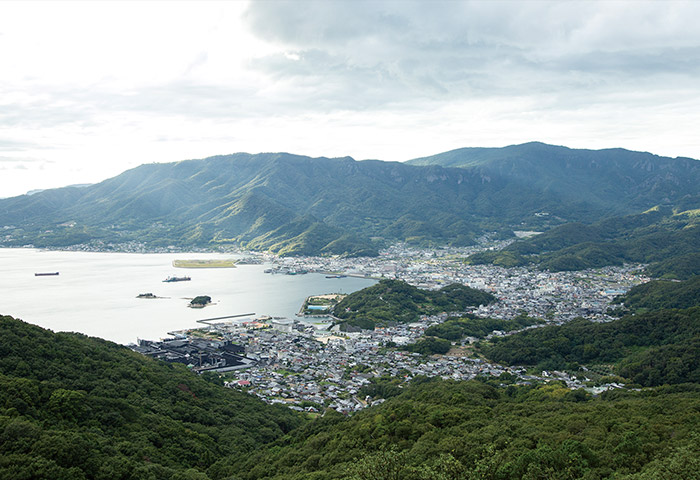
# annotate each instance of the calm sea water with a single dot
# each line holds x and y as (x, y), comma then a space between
(95, 293)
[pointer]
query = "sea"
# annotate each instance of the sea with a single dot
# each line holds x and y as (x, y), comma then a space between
(96, 293)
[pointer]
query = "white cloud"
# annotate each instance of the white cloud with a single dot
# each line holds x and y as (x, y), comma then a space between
(98, 87)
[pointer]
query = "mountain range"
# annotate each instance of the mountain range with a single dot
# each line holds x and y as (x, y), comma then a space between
(291, 204)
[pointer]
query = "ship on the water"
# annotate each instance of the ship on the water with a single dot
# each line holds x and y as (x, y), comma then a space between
(177, 279)
(46, 274)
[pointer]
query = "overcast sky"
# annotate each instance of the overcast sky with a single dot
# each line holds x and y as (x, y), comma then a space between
(89, 89)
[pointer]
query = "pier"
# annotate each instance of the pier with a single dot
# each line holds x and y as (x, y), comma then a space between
(207, 321)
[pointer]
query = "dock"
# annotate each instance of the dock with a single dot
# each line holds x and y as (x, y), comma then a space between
(207, 321)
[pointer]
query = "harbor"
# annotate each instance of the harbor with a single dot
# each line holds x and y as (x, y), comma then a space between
(96, 292)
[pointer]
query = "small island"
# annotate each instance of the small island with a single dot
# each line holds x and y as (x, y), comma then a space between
(172, 279)
(200, 301)
(145, 295)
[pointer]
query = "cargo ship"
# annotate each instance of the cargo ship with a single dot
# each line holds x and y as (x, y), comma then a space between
(177, 279)
(46, 274)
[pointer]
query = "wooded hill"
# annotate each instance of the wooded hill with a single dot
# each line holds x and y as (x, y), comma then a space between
(668, 241)
(73, 407)
(291, 204)
(437, 429)
(389, 302)
(662, 294)
(649, 349)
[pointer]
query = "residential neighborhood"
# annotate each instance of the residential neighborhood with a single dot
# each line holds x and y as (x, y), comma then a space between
(307, 364)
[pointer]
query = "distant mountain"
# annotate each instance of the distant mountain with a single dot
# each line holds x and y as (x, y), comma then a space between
(614, 180)
(77, 185)
(291, 204)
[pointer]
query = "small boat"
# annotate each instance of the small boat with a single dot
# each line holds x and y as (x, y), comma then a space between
(46, 274)
(177, 279)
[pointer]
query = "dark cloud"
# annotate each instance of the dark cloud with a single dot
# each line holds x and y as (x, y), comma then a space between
(360, 53)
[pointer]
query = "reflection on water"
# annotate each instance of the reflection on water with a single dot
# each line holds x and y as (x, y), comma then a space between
(96, 293)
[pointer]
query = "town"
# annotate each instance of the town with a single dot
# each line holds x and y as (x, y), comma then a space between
(306, 363)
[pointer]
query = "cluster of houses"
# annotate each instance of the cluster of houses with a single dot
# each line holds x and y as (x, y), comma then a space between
(555, 296)
(312, 369)
(309, 367)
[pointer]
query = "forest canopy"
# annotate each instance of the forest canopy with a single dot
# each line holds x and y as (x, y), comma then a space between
(393, 301)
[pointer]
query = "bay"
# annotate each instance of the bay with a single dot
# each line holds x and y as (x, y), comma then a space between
(95, 293)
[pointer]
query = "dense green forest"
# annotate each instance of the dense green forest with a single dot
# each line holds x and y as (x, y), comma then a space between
(427, 345)
(437, 339)
(680, 267)
(660, 294)
(473, 326)
(73, 407)
(445, 430)
(393, 301)
(667, 241)
(649, 349)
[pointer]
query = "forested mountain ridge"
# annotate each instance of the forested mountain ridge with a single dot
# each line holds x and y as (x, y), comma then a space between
(292, 204)
(616, 179)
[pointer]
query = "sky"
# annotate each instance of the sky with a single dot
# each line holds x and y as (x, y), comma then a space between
(90, 89)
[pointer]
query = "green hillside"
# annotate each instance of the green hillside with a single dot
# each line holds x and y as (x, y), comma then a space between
(479, 327)
(680, 267)
(73, 407)
(437, 429)
(650, 349)
(292, 204)
(393, 301)
(660, 294)
(668, 241)
(612, 179)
